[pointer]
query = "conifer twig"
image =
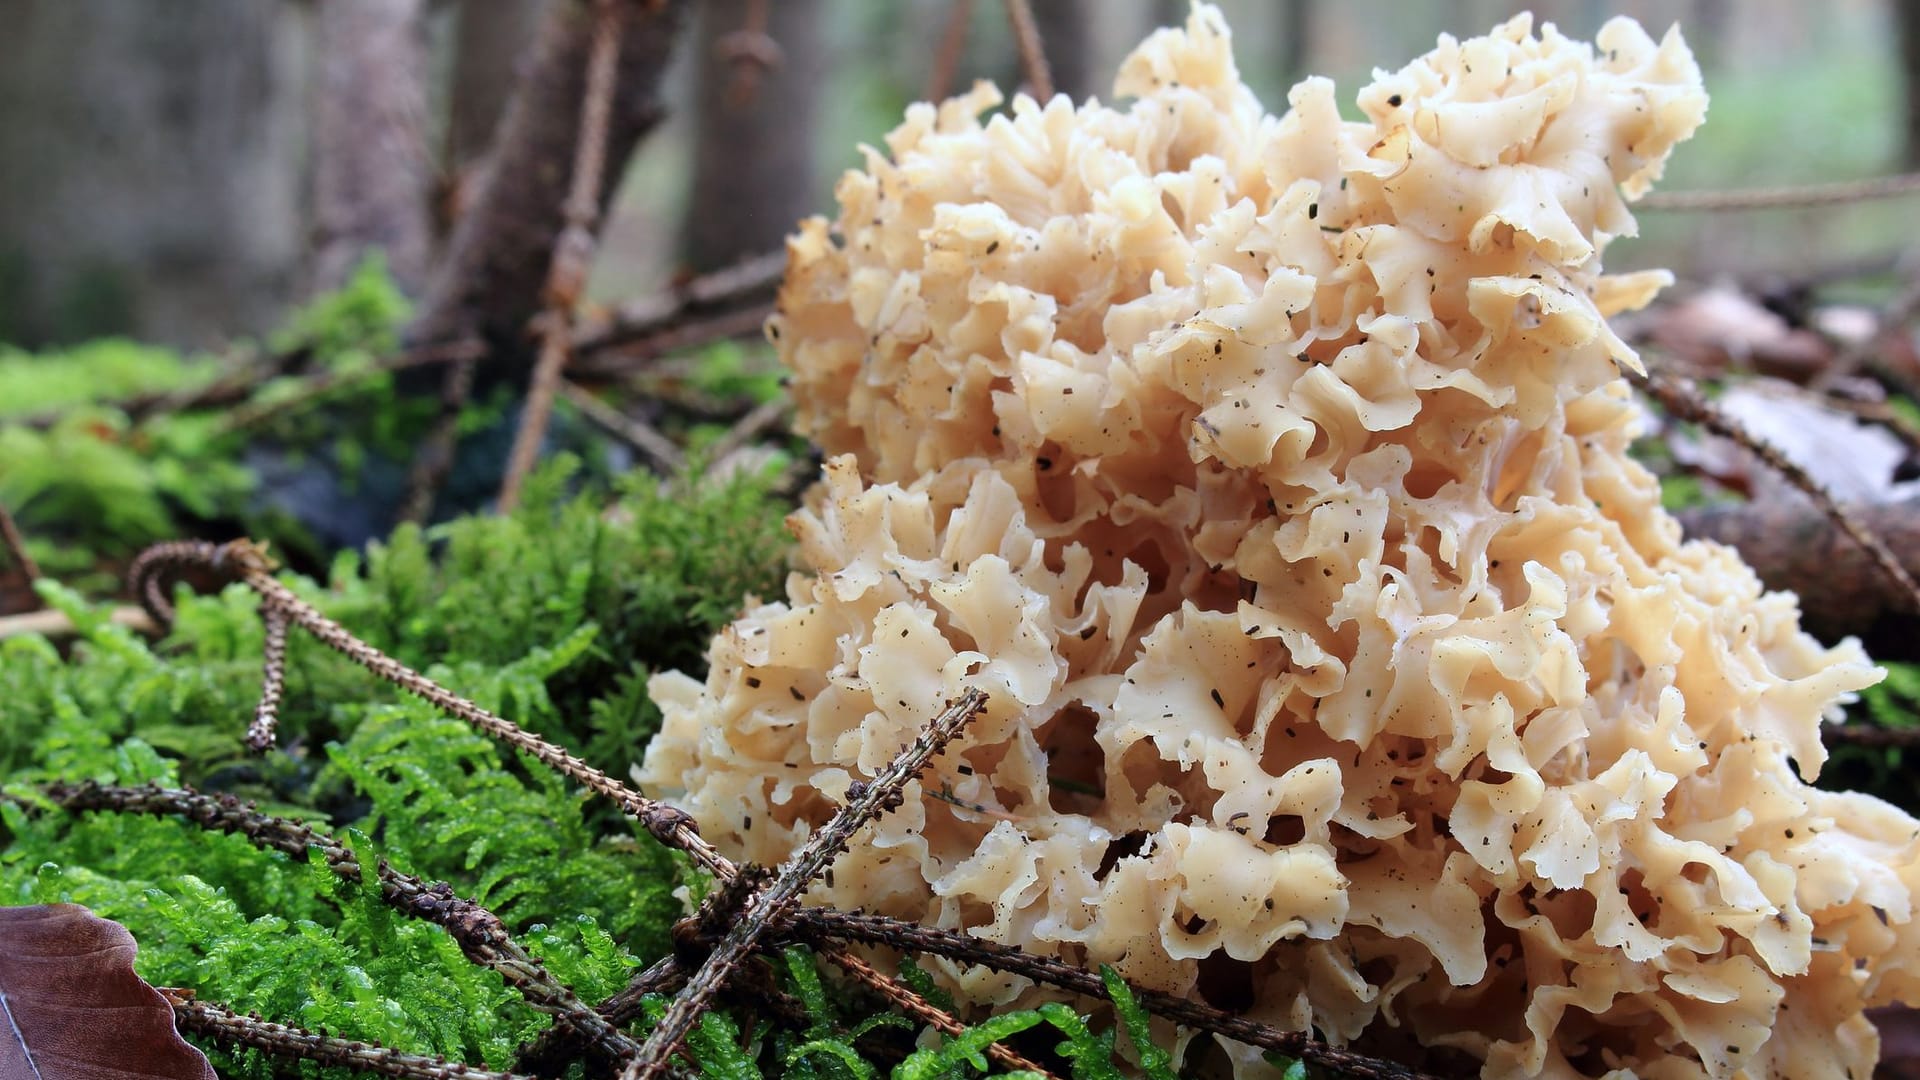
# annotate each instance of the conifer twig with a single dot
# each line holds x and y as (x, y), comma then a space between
(903, 998)
(1683, 400)
(553, 1049)
(280, 1040)
(865, 801)
(482, 937)
(273, 679)
(818, 923)
(1033, 53)
(572, 249)
(245, 561)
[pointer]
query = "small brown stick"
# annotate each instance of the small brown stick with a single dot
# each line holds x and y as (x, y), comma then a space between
(273, 679)
(953, 42)
(246, 562)
(17, 545)
(1033, 55)
(749, 283)
(865, 801)
(482, 937)
(226, 1026)
(904, 999)
(553, 1049)
(572, 251)
(746, 429)
(316, 387)
(1808, 195)
(1683, 400)
(631, 430)
(433, 459)
(811, 923)
(1873, 735)
(691, 333)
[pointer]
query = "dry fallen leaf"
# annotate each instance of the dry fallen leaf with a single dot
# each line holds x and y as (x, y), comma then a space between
(71, 1007)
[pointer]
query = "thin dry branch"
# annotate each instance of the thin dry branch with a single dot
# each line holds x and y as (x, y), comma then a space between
(638, 353)
(314, 388)
(748, 284)
(746, 429)
(815, 923)
(273, 679)
(226, 1026)
(482, 937)
(572, 248)
(555, 1048)
(1873, 736)
(946, 58)
(17, 545)
(1033, 55)
(244, 561)
(1683, 400)
(865, 801)
(1793, 196)
(902, 997)
(631, 430)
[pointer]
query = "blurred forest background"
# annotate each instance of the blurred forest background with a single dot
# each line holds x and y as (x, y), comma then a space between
(164, 167)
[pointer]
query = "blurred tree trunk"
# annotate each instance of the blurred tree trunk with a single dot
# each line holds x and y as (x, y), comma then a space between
(372, 172)
(1296, 39)
(150, 176)
(1907, 14)
(761, 65)
(1066, 32)
(489, 49)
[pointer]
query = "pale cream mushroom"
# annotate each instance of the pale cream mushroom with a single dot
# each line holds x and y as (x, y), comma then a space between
(1271, 476)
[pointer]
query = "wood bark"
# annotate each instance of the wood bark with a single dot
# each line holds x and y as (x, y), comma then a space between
(757, 102)
(372, 173)
(1792, 545)
(490, 282)
(491, 48)
(150, 160)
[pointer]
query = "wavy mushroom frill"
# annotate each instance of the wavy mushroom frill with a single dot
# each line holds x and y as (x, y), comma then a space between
(1271, 478)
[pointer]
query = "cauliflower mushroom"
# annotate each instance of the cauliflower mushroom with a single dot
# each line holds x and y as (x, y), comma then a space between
(1271, 476)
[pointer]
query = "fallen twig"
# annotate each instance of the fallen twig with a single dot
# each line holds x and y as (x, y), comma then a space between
(746, 285)
(245, 562)
(572, 250)
(631, 430)
(1033, 55)
(1787, 196)
(273, 679)
(482, 937)
(224, 1025)
(1795, 546)
(745, 430)
(865, 801)
(880, 930)
(1684, 402)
